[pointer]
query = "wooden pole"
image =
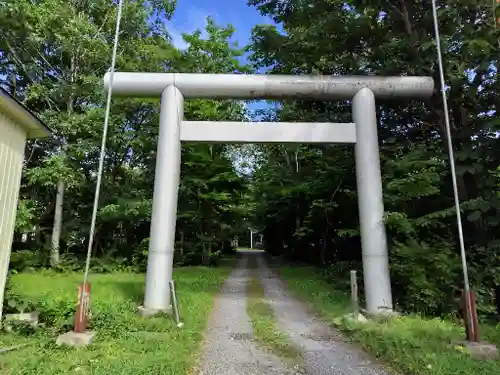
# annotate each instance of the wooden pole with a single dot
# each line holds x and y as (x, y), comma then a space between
(472, 333)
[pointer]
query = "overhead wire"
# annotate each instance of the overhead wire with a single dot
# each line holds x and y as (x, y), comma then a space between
(102, 152)
(448, 136)
(451, 157)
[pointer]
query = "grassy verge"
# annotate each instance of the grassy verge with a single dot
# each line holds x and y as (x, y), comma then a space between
(410, 344)
(264, 324)
(125, 343)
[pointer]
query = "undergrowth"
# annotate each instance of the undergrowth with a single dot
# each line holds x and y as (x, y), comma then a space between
(411, 344)
(124, 342)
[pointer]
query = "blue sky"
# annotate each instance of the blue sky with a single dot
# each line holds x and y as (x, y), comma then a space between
(191, 15)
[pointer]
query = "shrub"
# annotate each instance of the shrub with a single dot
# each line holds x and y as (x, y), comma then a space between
(27, 260)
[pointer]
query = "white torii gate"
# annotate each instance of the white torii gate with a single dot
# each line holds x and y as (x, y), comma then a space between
(362, 90)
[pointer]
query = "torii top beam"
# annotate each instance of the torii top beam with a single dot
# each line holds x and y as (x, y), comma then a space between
(253, 86)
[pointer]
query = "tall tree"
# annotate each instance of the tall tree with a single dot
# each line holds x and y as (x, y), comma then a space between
(53, 55)
(315, 213)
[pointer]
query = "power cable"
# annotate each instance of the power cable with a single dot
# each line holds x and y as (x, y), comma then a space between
(453, 173)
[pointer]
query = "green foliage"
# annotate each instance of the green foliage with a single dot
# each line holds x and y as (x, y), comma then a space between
(305, 196)
(408, 344)
(14, 303)
(26, 215)
(53, 55)
(27, 260)
(125, 343)
(426, 277)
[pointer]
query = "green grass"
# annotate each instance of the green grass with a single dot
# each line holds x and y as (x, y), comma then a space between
(411, 344)
(263, 320)
(125, 343)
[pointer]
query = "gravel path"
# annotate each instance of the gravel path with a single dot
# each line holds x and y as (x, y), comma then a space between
(228, 348)
(323, 349)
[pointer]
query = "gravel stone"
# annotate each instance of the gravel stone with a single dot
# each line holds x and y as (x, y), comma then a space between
(324, 349)
(230, 350)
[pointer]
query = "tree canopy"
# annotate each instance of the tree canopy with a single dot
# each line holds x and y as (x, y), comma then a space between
(54, 53)
(306, 196)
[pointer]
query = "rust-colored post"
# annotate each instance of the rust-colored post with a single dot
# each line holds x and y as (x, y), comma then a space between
(82, 308)
(475, 318)
(471, 331)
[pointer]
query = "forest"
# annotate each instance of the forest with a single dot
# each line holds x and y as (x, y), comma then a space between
(54, 53)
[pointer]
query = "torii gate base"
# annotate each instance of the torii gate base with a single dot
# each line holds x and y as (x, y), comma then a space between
(174, 87)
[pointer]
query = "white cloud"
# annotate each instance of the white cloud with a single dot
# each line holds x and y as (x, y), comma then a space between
(177, 39)
(193, 19)
(196, 17)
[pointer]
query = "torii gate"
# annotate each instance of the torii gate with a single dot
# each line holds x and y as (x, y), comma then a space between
(362, 90)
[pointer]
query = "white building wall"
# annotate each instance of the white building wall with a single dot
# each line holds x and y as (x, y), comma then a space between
(12, 143)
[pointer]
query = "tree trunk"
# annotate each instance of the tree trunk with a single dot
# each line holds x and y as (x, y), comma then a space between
(205, 259)
(182, 243)
(323, 247)
(56, 229)
(497, 300)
